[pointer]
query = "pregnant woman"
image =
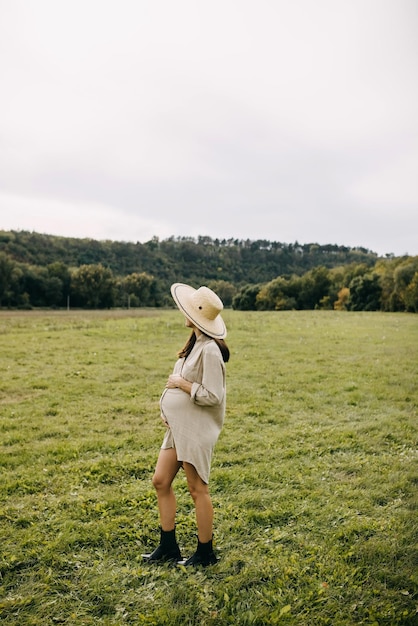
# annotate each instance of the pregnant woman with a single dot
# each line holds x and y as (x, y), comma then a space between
(193, 409)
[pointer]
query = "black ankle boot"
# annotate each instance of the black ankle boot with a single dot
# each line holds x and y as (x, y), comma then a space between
(168, 550)
(203, 556)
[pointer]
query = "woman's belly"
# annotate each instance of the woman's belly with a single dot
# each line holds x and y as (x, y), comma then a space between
(174, 403)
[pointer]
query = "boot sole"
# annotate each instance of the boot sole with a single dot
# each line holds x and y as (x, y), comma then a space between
(171, 559)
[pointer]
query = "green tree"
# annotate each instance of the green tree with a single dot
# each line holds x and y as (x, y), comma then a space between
(140, 288)
(53, 291)
(245, 299)
(278, 295)
(314, 286)
(59, 271)
(7, 273)
(92, 286)
(385, 268)
(403, 276)
(36, 285)
(365, 293)
(411, 295)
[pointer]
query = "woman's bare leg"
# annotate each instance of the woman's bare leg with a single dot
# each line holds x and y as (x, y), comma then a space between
(165, 472)
(203, 503)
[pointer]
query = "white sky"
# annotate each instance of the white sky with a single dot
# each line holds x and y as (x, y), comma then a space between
(287, 120)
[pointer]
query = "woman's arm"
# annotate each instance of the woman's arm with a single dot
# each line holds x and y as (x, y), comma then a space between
(211, 390)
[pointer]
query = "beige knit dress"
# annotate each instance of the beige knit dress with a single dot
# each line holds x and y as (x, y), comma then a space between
(196, 420)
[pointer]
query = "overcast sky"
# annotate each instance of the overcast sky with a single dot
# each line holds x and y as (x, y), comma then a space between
(287, 120)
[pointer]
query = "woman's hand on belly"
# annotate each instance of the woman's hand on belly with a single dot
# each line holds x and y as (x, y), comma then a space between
(177, 382)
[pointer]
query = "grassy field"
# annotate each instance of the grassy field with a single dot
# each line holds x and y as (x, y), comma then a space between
(314, 479)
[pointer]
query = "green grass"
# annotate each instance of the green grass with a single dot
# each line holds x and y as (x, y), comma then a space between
(314, 480)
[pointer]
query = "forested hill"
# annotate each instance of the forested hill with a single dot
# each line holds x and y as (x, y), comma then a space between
(184, 259)
(47, 271)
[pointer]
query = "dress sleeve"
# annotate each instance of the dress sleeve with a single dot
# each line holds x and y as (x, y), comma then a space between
(211, 391)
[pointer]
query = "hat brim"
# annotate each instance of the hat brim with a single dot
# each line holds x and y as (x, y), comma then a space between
(182, 297)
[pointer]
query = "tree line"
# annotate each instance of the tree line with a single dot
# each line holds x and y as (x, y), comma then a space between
(46, 271)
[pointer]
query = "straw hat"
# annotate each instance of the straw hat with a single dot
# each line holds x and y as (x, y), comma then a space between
(202, 307)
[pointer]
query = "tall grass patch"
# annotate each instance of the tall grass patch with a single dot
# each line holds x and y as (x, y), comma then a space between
(314, 479)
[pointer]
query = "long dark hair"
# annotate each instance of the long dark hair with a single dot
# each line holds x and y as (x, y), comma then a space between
(185, 351)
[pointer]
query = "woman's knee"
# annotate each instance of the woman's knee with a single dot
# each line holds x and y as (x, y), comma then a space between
(160, 482)
(197, 488)
(195, 492)
(165, 470)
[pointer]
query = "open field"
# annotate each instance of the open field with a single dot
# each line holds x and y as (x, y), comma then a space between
(314, 480)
